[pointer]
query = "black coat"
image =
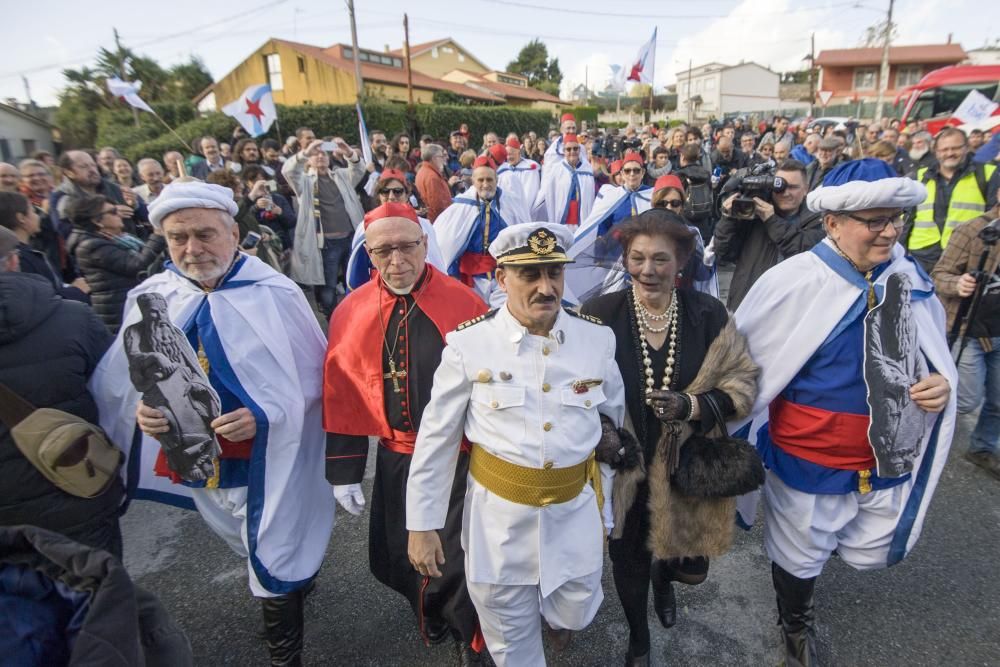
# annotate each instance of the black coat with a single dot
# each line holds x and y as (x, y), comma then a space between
(111, 270)
(35, 261)
(702, 318)
(49, 347)
(114, 622)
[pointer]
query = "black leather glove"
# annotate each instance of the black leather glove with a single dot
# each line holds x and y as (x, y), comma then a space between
(607, 450)
(669, 405)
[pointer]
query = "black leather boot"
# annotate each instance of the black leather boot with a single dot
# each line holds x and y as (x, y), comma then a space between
(467, 656)
(796, 617)
(283, 628)
(435, 630)
(636, 660)
(664, 600)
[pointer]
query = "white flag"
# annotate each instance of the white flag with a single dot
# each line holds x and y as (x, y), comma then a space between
(617, 82)
(643, 69)
(129, 92)
(975, 107)
(254, 109)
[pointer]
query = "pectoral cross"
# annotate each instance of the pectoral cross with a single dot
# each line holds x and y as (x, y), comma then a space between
(395, 375)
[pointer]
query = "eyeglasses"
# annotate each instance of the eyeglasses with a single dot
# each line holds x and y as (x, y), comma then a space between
(877, 225)
(670, 203)
(110, 211)
(395, 192)
(632, 171)
(572, 149)
(384, 252)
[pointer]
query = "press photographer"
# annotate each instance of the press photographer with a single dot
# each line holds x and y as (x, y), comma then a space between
(967, 278)
(764, 220)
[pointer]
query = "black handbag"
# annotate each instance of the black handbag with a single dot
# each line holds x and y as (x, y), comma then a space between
(720, 467)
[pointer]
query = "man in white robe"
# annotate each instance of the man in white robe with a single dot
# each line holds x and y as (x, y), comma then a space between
(555, 153)
(567, 193)
(262, 349)
(466, 228)
(527, 173)
(816, 326)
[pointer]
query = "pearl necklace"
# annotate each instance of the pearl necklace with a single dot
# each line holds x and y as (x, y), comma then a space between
(642, 316)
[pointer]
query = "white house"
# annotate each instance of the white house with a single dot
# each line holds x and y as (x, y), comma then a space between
(22, 133)
(716, 89)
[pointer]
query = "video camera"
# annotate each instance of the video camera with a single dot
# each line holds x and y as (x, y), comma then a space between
(632, 144)
(758, 181)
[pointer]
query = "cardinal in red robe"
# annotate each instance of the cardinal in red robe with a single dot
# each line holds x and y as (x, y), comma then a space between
(385, 343)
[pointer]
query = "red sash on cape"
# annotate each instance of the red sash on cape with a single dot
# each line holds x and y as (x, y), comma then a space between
(353, 398)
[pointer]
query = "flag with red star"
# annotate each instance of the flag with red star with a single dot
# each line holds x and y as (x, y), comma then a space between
(643, 69)
(254, 109)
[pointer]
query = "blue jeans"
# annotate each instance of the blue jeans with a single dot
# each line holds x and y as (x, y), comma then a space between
(979, 383)
(335, 254)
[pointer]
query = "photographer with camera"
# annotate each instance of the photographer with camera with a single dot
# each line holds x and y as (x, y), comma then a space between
(969, 271)
(764, 221)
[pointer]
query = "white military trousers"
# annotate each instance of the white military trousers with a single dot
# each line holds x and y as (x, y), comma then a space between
(511, 616)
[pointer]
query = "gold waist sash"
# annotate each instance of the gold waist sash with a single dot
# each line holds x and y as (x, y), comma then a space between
(537, 487)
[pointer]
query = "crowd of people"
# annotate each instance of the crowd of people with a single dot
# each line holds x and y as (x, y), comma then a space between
(531, 328)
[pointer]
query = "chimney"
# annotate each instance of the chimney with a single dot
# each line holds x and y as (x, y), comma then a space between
(949, 38)
(387, 49)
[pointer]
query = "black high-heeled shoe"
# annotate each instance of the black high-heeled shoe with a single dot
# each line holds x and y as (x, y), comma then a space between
(636, 660)
(664, 599)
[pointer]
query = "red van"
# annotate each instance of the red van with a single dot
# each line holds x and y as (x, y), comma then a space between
(938, 94)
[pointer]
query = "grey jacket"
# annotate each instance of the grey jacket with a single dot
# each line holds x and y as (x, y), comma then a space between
(307, 260)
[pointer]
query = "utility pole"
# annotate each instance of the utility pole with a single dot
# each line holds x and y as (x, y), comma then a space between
(359, 83)
(27, 91)
(812, 72)
(121, 70)
(406, 50)
(883, 77)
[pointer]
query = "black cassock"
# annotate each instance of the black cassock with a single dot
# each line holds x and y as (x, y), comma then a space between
(418, 352)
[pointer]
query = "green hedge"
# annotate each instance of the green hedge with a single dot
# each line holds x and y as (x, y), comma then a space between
(333, 119)
(217, 125)
(581, 114)
(440, 120)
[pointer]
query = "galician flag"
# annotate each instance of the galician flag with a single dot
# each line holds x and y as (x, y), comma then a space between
(645, 63)
(254, 110)
(128, 91)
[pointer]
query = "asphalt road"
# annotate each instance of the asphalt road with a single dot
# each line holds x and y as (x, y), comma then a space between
(941, 606)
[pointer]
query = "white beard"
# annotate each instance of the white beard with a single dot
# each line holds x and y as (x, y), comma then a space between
(917, 154)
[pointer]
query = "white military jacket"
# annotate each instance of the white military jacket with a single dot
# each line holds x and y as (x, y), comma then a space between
(512, 393)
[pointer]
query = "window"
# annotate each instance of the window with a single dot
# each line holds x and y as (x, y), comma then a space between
(434, 52)
(272, 62)
(302, 65)
(447, 49)
(907, 76)
(697, 86)
(349, 53)
(937, 102)
(461, 57)
(865, 78)
(709, 84)
(28, 146)
(4, 150)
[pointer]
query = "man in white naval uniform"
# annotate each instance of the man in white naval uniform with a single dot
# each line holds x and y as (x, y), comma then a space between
(527, 385)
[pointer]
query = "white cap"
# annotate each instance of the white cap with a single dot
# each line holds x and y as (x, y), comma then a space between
(532, 243)
(190, 194)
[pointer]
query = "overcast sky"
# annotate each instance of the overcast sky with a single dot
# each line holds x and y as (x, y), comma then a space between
(44, 36)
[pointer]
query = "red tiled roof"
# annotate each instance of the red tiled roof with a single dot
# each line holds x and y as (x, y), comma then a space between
(518, 92)
(385, 73)
(898, 55)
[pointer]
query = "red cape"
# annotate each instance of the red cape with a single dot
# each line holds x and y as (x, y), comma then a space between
(353, 398)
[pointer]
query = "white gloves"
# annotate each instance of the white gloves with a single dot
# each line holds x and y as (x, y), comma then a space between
(350, 497)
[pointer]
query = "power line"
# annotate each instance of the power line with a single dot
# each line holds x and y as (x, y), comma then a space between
(666, 17)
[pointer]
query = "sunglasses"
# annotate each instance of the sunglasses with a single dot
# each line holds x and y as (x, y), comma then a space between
(632, 171)
(395, 192)
(670, 203)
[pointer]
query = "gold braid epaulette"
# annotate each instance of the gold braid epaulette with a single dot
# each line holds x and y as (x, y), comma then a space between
(476, 320)
(589, 318)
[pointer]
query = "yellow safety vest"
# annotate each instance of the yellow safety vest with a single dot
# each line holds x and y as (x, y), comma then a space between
(966, 203)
